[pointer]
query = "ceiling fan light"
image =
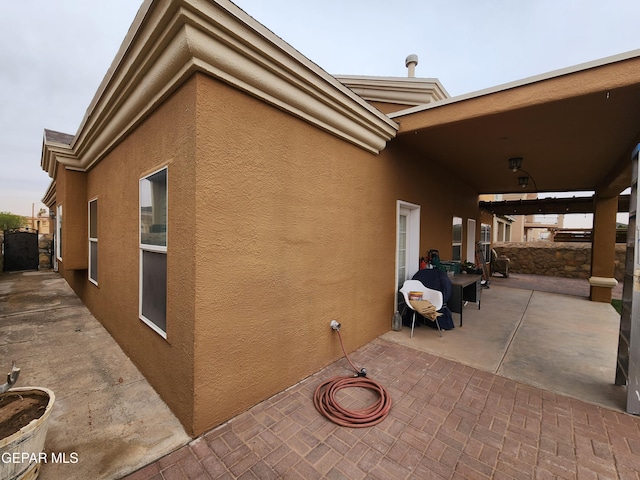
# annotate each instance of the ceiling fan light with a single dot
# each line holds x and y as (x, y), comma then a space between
(515, 163)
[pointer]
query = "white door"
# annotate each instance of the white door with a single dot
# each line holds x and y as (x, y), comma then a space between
(407, 241)
(403, 220)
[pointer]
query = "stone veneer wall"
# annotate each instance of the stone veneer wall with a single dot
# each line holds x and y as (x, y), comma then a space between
(45, 248)
(556, 259)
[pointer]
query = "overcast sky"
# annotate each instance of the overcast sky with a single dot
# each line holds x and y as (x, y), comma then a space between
(54, 54)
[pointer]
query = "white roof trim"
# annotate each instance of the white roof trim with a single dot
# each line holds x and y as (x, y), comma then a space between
(170, 40)
(396, 90)
(49, 198)
(519, 83)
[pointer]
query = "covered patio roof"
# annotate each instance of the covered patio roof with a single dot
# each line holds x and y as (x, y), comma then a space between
(544, 206)
(574, 128)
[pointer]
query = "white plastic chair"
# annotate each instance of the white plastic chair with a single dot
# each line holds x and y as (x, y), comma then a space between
(434, 296)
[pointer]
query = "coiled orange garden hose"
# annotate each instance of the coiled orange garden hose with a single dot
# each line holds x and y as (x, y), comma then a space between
(326, 403)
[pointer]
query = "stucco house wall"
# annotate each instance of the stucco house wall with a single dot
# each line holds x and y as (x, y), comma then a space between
(275, 228)
(300, 230)
(166, 138)
(282, 208)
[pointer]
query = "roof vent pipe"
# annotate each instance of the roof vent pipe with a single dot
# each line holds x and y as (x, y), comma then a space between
(410, 63)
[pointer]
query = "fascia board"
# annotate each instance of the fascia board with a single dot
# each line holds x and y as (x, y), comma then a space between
(54, 153)
(49, 198)
(175, 39)
(576, 69)
(401, 90)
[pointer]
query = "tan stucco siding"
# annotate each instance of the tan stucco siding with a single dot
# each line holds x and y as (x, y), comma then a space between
(295, 228)
(72, 191)
(164, 139)
(291, 234)
(275, 228)
(441, 196)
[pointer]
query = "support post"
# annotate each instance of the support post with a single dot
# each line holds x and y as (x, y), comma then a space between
(603, 249)
(628, 361)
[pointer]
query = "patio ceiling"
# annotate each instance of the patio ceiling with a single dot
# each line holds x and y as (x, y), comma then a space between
(575, 129)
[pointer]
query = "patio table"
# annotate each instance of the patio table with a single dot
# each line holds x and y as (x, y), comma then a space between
(466, 288)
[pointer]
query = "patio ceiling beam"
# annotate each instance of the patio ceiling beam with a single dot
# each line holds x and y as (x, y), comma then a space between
(544, 206)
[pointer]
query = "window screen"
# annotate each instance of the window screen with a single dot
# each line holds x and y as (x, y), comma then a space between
(93, 241)
(153, 250)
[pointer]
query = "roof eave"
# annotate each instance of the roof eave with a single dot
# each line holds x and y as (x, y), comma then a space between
(171, 40)
(49, 198)
(396, 90)
(549, 94)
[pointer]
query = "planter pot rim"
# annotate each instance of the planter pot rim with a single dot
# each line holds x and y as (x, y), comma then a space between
(33, 424)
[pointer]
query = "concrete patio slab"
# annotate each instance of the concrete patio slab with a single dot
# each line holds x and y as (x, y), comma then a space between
(562, 343)
(105, 411)
(484, 337)
(567, 345)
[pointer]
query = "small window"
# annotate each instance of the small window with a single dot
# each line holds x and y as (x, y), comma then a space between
(485, 241)
(153, 251)
(457, 239)
(59, 232)
(153, 209)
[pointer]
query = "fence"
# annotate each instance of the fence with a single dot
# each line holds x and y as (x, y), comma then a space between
(556, 259)
(45, 245)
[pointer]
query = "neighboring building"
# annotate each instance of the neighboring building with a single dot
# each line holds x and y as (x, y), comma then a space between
(541, 228)
(225, 198)
(41, 223)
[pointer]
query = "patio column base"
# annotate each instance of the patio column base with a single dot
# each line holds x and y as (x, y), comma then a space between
(601, 288)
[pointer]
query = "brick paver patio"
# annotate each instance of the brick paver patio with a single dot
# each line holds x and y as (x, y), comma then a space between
(448, 421)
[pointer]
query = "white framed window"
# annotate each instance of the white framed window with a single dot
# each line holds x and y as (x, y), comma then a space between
(59, 232)
(500, 234)
(456, 254)
(471, 240)
(153, 250)
(485, 241)
(93, 241)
